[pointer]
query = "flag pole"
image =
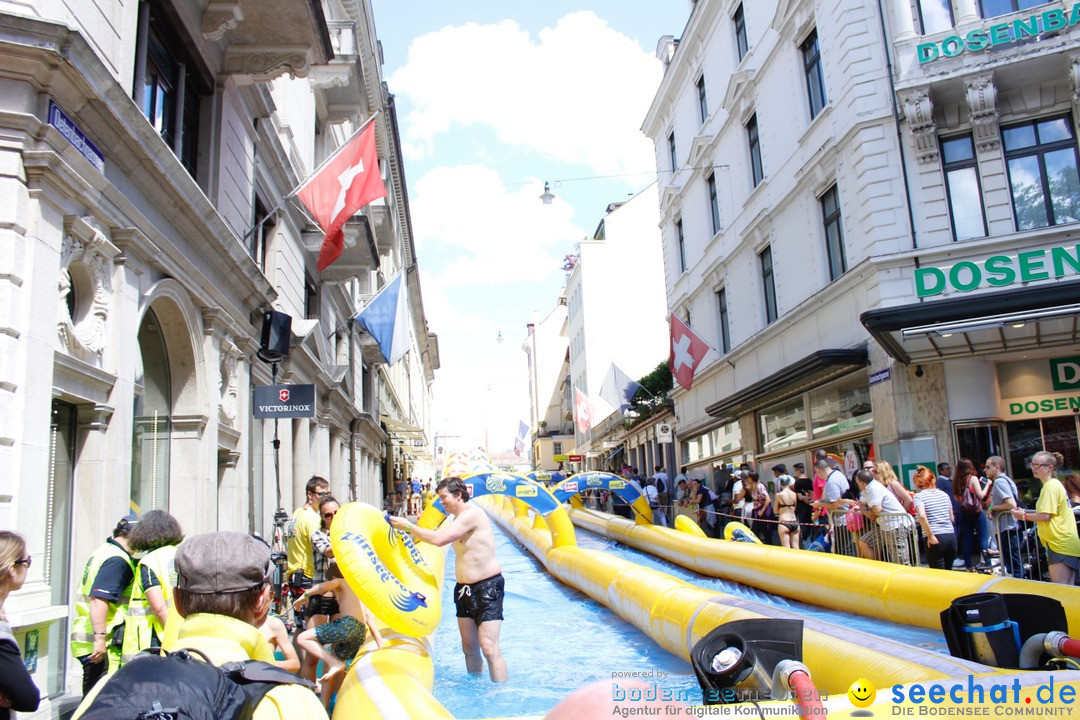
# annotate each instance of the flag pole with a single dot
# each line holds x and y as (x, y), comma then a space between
(332, 155)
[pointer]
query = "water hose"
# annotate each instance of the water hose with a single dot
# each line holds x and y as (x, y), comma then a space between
(1057, 644)
(791, 676)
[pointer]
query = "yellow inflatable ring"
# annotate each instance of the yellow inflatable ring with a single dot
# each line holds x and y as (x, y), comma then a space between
(388, 572)
(747, 534)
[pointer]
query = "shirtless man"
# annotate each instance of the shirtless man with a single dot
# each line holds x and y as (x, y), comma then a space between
(479, 590)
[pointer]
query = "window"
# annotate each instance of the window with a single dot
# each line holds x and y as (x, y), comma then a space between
(1042, 162)
(311, 299)
(768, 283)
(755, 150)
(740, 32)
(993, 8)
(166, 88)
(962, 187)
(260, 231)
(703, 103)
(834, 233)
(151, 419)
(815, 81)
(935, 16)
(671, 152)
(725, 334)
(714, 205)
(556, 447)
(681, 239)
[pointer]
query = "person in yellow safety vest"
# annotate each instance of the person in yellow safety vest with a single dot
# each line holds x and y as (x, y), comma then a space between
(101, 604)
(223, 592)
(156, 535)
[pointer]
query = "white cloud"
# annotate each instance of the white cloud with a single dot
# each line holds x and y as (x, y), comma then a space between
(482, 386)
(576, 94)
(491, 236)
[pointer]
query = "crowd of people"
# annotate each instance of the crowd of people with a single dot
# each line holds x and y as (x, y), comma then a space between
(960, 514)
(147, 587)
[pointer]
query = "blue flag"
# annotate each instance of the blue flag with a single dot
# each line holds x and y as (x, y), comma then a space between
(386, 318)
(522, 435)
(618, 388)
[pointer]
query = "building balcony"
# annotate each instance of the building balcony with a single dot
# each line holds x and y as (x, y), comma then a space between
(358, 257)
(268, 38)
(339, 85)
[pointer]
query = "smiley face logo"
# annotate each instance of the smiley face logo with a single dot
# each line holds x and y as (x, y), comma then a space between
(862, 693)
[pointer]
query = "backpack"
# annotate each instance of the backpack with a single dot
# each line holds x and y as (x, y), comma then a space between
(176, 686)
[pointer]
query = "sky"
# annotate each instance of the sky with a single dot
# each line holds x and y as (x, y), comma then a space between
(494, 97)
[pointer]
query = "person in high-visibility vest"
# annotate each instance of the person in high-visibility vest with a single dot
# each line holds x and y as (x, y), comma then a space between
(101, 604)
(156, 535)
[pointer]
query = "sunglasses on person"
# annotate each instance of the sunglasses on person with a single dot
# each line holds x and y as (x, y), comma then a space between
(329, 515)
(868, 467)
(25, 561)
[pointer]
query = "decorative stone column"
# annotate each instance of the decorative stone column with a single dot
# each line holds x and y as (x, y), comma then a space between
(964, 12)
(903, 21)
(982, 101)
(919, 112)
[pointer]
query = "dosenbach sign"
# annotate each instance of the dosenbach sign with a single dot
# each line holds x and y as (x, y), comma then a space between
(999, 270)
(284, 401)
(1000, 34)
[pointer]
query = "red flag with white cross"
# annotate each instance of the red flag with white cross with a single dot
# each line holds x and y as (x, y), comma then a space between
(687, 352)
(346, 182)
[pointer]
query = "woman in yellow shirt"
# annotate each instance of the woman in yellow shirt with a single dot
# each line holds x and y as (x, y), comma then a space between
(1057, 529)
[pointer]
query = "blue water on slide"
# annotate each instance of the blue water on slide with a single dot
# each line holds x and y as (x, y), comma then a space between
(556, 639)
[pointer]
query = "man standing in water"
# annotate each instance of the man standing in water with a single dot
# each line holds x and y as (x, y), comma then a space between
(479, 590)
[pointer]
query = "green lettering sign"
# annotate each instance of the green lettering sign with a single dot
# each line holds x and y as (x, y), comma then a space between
(1065, 373)
(1031, 264)
(999, 271)
(923, 276)
(1033, 25)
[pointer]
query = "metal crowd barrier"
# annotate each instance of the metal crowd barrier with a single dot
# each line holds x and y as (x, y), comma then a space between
(893, 537)
(1019, 552)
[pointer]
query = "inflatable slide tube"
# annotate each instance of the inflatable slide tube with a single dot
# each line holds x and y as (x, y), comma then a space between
(393, 683)
(676, 614)
(906, 595)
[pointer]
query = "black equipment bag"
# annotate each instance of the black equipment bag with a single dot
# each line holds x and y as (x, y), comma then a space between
(176, 686)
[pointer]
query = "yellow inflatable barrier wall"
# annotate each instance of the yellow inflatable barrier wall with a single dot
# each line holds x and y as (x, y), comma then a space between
(677, 614)
(902, 594)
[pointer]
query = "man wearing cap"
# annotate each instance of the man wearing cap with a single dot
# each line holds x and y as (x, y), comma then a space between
(101, 604)
(222, 593)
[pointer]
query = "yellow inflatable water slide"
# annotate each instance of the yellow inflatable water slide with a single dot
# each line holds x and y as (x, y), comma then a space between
(401, 581)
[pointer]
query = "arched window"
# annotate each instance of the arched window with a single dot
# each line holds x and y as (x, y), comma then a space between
(151, 424)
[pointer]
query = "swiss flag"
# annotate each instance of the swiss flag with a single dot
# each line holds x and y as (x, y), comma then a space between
(346, 182)
(687, 352)
(583, 411)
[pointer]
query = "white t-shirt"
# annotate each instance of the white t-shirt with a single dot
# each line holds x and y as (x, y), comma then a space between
(892, 512)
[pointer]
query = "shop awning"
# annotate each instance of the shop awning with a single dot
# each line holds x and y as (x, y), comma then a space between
(981, 324)
(612, 455)
(401, 430)
(813, 370)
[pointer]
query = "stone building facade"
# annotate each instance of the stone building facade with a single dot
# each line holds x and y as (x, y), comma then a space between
(148, 150)
(869, 210)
